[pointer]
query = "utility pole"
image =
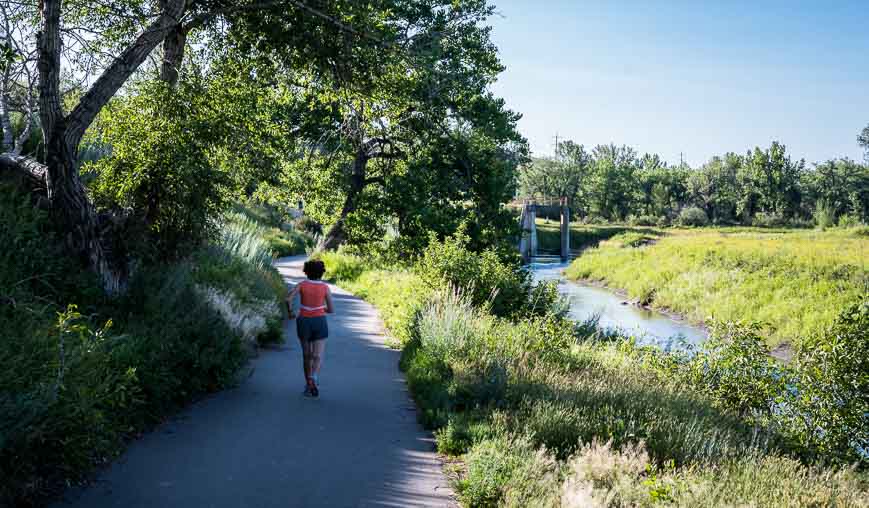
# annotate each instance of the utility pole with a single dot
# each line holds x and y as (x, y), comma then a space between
(556, 145)
(680, 159)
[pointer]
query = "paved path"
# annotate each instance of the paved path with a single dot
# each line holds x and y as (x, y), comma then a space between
(264, 445)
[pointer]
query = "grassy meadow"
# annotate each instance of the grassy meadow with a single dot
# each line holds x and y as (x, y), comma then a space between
(540, 412)
(792, 282)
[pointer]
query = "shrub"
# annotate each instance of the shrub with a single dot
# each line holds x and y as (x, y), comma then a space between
(643, 220)
(489, 281)
(287, 243)
(161, 166)
(693, 216)
(595, 220)
(735, 370)
(831, 412)
(824, 214)
(769, 220)
(342, 266)
(282, 239)
(308, 225)
(851, 220)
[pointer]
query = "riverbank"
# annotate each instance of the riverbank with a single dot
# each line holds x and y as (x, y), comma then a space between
(613, 310)
(794, 283)
(539, 416)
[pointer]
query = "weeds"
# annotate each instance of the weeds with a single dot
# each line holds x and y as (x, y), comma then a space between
(540, 419)
(80, 374)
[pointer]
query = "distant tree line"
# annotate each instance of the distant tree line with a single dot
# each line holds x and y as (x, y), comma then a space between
(760, 187)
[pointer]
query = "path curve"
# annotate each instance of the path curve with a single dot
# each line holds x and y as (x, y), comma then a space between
(264, 445)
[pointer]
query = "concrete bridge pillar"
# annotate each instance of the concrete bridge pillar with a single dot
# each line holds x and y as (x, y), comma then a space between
(565, 230)
(528, 240)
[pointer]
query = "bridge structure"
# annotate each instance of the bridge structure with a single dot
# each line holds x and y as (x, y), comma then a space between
(528, 245)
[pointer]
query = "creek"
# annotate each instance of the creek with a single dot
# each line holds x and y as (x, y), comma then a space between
(616, 312)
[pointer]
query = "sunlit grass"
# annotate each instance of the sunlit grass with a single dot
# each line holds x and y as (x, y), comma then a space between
(538, 420)
(793, 282)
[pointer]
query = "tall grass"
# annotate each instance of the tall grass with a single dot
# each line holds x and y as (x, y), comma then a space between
(793, 283)
(80, 374)
(236, 276)
(538, 419)
(825, 214)
(242, 237)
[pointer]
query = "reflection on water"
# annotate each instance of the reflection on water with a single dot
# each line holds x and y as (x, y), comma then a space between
(649, 327)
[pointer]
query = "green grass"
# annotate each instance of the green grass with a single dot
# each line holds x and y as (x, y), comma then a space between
(397, 294)
(792, 282)
(539, 420)
(282, 239)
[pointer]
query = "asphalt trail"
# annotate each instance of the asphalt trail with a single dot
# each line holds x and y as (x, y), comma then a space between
(264, 445)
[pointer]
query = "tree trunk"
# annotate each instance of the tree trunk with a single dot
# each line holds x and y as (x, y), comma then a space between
(337, 234)
(71, 210)
(7, 142)
(73, 213)
(173, 55)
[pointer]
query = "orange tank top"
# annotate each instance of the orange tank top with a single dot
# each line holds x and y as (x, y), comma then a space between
(312, 294)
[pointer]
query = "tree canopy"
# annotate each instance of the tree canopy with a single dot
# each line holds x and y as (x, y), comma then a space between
(155, 115)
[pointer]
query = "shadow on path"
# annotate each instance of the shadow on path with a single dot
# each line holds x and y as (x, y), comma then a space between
(264, 445)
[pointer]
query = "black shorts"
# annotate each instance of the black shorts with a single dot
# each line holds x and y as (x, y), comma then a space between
(312, 328)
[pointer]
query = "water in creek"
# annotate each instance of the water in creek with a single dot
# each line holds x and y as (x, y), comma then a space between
(615, 312)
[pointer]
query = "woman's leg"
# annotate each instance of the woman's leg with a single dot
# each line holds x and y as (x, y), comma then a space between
(317, 347)
(306, 357)
(303, 332)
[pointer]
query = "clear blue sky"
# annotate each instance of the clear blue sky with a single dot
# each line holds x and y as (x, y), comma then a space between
(702, 78)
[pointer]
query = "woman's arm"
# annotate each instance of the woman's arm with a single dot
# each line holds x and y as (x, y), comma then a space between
(289, 301)
(330, 307)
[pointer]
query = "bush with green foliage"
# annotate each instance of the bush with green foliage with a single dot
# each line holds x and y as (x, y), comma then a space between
(831, 411)
(161, 167)
(502, 286)
(693, 216)
(850, 220)
(283, 239)
(769, 220)
(642, 220)
(79, 373)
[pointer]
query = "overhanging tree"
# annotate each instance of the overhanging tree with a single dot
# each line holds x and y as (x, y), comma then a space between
(347, 38)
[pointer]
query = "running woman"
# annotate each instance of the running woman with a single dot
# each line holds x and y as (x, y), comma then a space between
(315, 302)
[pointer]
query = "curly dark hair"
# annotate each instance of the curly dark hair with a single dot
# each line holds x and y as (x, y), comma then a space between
(314, 269)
